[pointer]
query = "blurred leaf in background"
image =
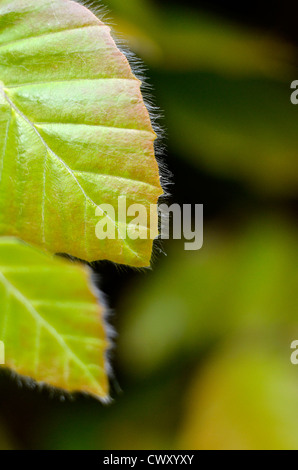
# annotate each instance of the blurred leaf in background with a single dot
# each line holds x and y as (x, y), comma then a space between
(225, 89)
(239, 283)
(246, 398)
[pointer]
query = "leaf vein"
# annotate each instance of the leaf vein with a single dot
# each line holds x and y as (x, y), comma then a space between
(69, 170)
(50, 33)
(49, 328)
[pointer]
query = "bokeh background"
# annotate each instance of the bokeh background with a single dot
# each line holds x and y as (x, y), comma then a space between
(202, 358)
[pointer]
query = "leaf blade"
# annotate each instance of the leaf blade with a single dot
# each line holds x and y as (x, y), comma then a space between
(79, 134)
(54, 334)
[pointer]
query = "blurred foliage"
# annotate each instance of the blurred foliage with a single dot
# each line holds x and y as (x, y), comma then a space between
(240, 283)
(203, 354)
(180, 39)
(246, 398)
(226, 89)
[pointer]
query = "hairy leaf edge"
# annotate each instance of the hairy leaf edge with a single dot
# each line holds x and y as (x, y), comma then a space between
(156, 116)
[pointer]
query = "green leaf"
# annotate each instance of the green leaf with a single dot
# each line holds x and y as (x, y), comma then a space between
(74, 131)
(51, 323)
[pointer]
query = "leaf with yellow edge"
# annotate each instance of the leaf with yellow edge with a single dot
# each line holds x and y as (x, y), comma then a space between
(50, 320)
(74, 132)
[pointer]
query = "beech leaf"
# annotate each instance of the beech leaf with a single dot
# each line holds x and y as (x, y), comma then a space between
(74, 132)
(51, 323)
